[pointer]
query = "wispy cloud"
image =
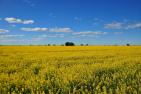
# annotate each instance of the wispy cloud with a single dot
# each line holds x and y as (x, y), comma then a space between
(3, 30)
(46, 36)
(77, 19)
(124, 25)
(134, 26)
(10, 36)
(18, 21)
(51, 35)
(12, 25)
(118, 33)
(36, 29)
(57, 30)
(114, 25)
(30, 2)
(51, 14)
(64, 30)
(90, 33)
(97, 21)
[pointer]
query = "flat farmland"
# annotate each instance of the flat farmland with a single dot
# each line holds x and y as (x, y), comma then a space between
(70, 70)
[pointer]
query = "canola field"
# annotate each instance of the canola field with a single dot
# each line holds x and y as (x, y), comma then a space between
(70, 70)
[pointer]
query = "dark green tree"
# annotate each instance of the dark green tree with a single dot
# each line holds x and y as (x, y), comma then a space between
(127, 44)
(69, 44)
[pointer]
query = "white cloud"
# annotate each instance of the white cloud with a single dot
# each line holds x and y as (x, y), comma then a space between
(114, 25)
(13, 25)
(30, 2)
(45, 36)
(12, 41)
(134, 26)
(36, 29)
(90, 33)
(77, 19)
(13, 20)
(118, 33)
(64, 30)
(20, 21)
(97, 21)
(7, 36)
(28, 22)
(119, 25)
(10, 38)
(3, 31)
(58, 30)
(52, 15)
(51, 35)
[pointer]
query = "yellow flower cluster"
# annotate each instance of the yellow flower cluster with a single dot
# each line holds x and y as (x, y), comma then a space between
(70, 70)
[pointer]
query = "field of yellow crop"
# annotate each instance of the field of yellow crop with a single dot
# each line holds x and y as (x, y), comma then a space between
(70, 70)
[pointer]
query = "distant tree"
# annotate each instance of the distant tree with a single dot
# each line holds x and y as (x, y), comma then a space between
(115, 45)
(54, 45)
(48, 45)
(81, 44)
(69, 44)
(87, 44)
(127, 44)
(62, 44)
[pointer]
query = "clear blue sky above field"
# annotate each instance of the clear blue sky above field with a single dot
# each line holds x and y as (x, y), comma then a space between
(80, 21)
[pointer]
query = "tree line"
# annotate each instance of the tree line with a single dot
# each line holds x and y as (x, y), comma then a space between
(73, 44)
(67, 44)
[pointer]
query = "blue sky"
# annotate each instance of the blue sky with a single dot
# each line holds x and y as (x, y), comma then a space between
(97, 22)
